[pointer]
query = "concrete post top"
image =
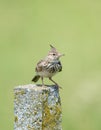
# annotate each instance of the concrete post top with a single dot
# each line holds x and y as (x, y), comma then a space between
(37, 107)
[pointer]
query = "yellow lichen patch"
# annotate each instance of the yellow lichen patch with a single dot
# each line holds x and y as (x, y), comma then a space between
(51, 115)
(58, 112)
(48, 118)
(16, 119)
(30, 128)
(21, 92)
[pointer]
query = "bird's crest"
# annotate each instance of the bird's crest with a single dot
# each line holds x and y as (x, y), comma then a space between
(52, 48)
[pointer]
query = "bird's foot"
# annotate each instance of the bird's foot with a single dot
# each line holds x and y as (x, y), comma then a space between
(58, 86)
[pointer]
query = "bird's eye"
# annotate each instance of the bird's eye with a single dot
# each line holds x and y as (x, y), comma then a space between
(53, 54)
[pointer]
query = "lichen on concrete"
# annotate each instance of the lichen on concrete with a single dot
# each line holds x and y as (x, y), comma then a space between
(37, 108)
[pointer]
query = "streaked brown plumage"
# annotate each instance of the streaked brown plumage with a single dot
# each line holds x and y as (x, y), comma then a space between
(49, 66)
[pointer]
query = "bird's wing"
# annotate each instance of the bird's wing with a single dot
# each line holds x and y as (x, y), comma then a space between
(40, 65)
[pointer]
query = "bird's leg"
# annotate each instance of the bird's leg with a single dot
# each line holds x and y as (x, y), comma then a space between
(54, 82)
(42, 81)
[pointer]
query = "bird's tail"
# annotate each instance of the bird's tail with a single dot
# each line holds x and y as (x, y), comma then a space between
(36, 78)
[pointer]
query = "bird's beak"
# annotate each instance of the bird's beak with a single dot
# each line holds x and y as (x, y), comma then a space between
(61, 55)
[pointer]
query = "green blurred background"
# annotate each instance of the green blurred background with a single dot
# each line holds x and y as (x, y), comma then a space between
(74, 28)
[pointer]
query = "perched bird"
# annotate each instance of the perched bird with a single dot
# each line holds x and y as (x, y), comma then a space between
(49, 66)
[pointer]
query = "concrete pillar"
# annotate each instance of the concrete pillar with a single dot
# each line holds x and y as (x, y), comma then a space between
(37, 108)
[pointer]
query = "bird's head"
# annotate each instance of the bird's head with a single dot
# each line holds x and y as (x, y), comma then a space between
(54, 54)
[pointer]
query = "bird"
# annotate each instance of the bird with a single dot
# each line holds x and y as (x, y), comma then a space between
(49, 66)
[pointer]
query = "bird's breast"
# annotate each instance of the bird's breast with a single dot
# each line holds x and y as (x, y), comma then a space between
(54, 67)
(50, 69)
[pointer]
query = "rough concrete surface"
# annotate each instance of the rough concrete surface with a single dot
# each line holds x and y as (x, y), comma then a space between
(37, 108)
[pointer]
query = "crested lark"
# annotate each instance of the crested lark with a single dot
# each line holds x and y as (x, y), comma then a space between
(49, 66)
